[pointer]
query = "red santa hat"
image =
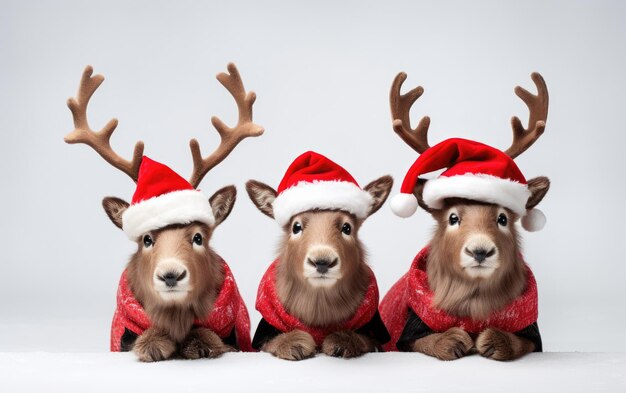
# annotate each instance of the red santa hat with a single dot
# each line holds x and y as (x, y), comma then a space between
(313, 181)
(163, 198)
(473, 171)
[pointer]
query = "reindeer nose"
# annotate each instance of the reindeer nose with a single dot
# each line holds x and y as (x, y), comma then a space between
(322, 265)
(172, 278)
(480, 254)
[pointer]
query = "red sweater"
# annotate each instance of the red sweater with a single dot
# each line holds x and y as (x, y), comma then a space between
(412, 291)
(272, 310)
(229, 312)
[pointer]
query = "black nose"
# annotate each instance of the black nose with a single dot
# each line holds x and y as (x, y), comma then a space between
(172, 278)
(322, 265)
(480, 254)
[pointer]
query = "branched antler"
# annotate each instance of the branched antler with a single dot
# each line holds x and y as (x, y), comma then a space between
(230, 137)
(400, 106)
(538, 108)
(98, 140)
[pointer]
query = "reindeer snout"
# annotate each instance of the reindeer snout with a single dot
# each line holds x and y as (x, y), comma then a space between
(322, 265)
(171, 278)
(480, 254)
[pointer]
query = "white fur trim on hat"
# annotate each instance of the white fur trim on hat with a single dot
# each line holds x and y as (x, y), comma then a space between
(403, 205)
(178, 207)
(331, 195)
(534, 220)
(477, 187)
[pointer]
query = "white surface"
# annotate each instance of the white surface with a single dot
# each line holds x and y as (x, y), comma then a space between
(256, 372)
(322, 72)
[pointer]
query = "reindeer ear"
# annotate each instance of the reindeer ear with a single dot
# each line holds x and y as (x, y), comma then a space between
(418, 191)
(538, 188)
(222, 203)
(262, 196)
(115, 208)
(379, 189)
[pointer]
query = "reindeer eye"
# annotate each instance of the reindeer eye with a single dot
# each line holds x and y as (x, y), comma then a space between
(453, 219)
(346, 229)
(502, 220)
(197, 239)
(297, 228)
(147, 241)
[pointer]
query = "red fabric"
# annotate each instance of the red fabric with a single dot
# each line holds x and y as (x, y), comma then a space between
(462, 156)
(156, 179)
(312, 167)
(272, 310)
(229, 311)
(412, 291)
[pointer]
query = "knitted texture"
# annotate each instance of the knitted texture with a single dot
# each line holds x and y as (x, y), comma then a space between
(412, 291)
(272, 310)
(229, 311)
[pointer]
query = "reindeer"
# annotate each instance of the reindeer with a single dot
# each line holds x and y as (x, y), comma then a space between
(177, 297)
(319, 292)
(470, 289)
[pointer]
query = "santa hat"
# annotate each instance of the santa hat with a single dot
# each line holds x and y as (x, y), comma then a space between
(315, 182)
(163, 198)
(473, 171)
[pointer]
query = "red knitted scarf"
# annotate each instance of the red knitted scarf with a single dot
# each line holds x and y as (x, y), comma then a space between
(412, 291)
(229, 311)
(272, 310)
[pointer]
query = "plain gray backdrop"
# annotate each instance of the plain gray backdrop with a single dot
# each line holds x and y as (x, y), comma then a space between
(322, 72)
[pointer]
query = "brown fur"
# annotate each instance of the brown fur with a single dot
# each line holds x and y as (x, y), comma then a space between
(453, 290)
(466, 293)
(347, 344)
(154, 345)
(449, 345)
(173, 317)
(222, 202)
(262, 196)
(461, 295)
(205, 273)
(172, 321)
(321, 306)
(538, 187)
(293, 345)
(498, 345)
(203, 343)
(114, 208)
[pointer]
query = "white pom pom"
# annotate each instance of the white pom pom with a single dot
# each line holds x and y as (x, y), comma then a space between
(534, 220)
(403, 205)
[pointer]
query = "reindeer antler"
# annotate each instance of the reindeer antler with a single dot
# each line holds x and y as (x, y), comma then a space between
(538, 108)
(230, 137)
(100, 140)
(400, 106)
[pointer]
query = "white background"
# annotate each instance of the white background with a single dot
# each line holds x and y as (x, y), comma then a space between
(322, 72)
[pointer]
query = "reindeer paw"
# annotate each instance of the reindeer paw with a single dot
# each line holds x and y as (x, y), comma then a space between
(346, 344)
(154, 345)
(294, 345)
(496, 344)
(203, 343)
(452, 344)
